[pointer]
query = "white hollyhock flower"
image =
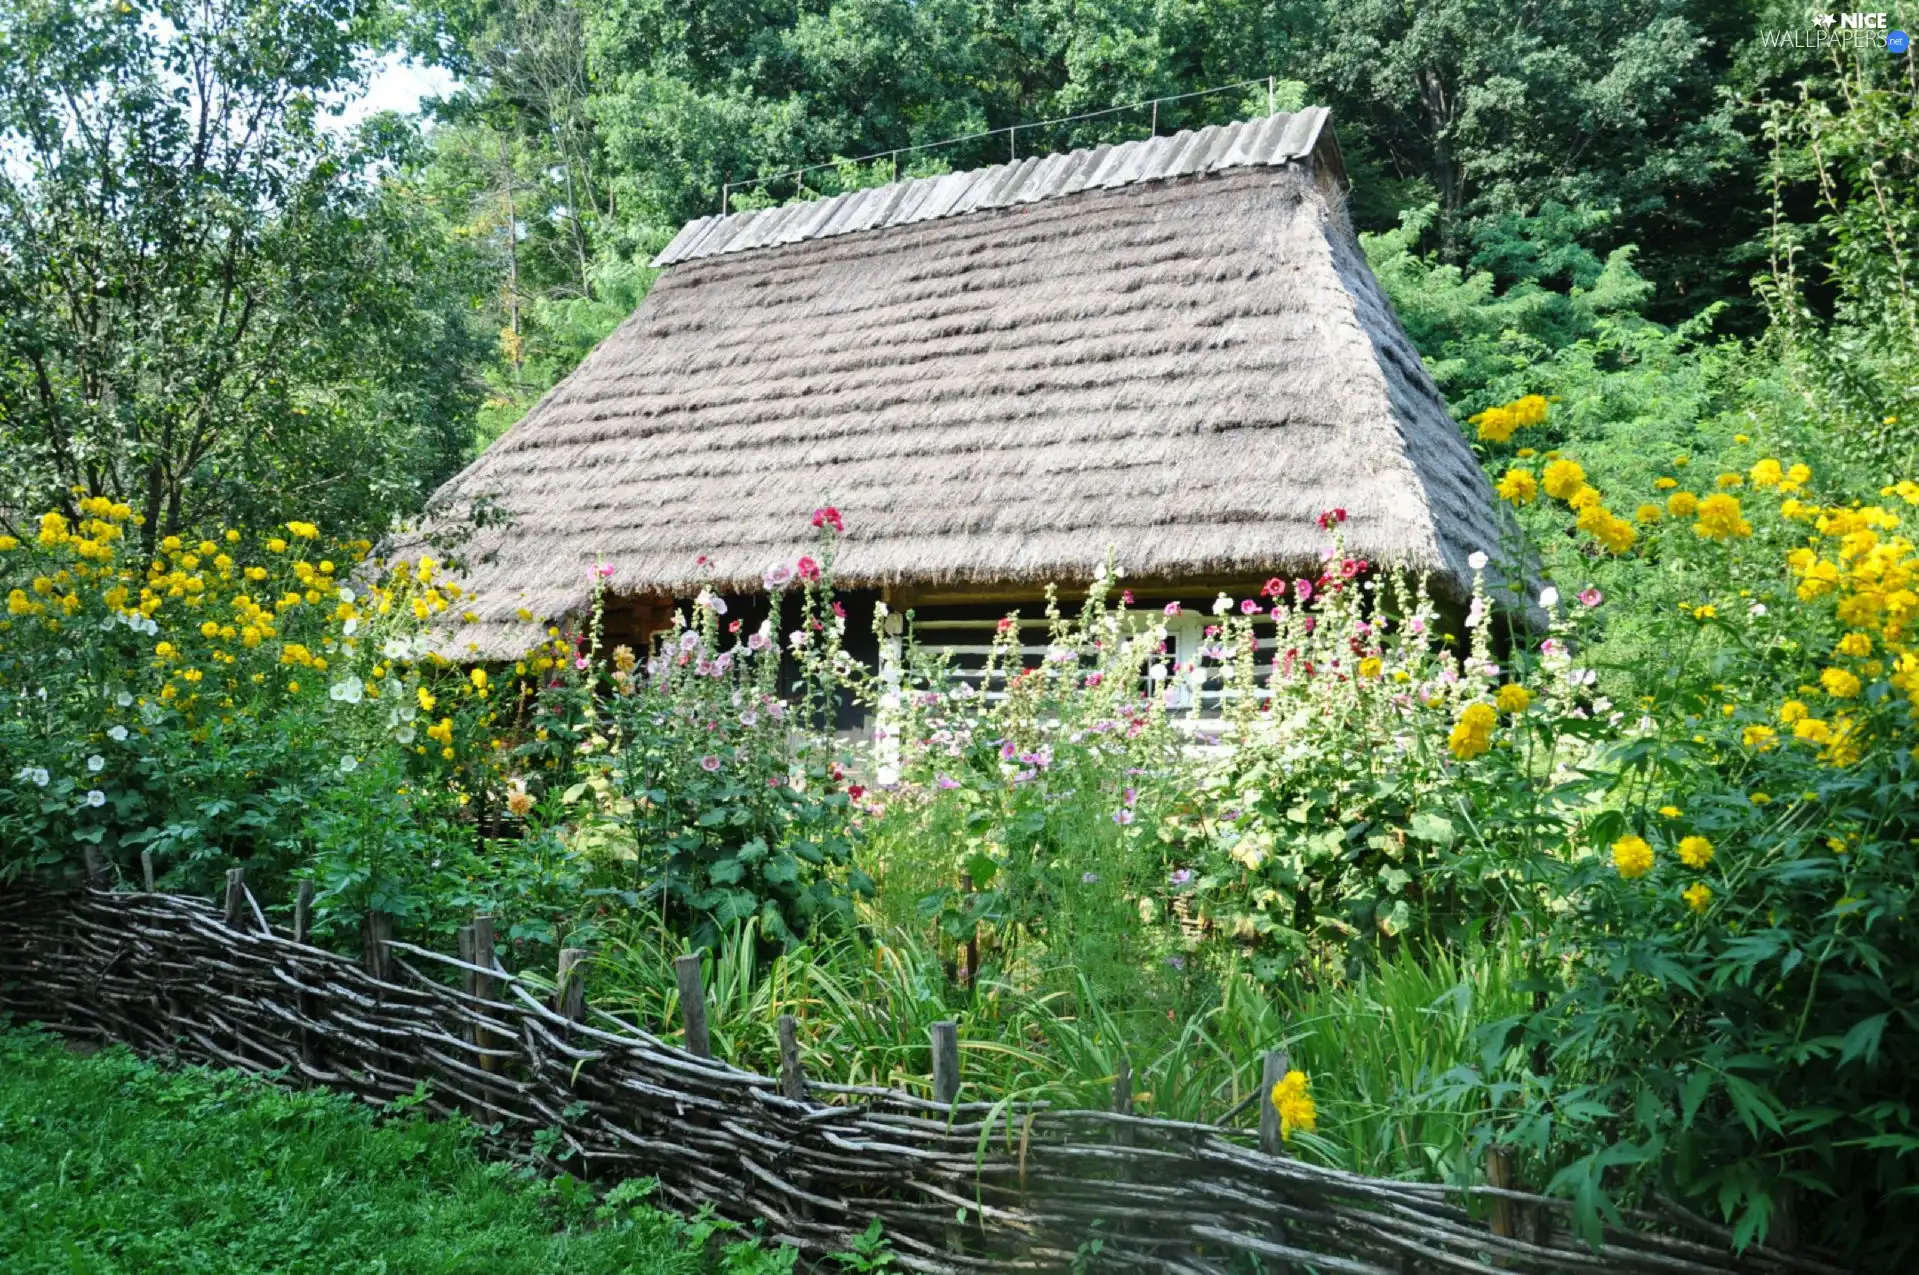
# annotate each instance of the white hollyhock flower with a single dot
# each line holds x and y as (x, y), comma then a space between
(1549, 597)
(118, 734)
(1478, 561)
(96, 798)
(96, 763)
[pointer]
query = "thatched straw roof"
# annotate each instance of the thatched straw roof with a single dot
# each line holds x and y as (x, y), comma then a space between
(1174, 349)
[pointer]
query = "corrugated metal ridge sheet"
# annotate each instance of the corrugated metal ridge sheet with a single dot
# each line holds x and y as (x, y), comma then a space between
(1271, 141)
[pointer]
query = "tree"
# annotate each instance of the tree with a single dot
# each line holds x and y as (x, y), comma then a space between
(212, 305)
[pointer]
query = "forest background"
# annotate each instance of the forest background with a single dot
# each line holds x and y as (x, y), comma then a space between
(214, 320)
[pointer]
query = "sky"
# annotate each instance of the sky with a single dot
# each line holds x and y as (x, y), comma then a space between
(398, 85)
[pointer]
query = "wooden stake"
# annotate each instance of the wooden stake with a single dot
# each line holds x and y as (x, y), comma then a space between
(946, 1060)
(1123, 1099)
(569, 994)
(686, 970)
(96, 868)
(303, 912)
(482, 985)
(236, 896)
(792, 1078)
(1504, 1219)
(373, 952)
(1272, 1072)
(146, 870)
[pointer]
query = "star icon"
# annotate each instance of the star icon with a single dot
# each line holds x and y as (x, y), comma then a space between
(1824, 19)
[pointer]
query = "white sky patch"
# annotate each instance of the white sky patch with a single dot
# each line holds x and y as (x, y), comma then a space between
(397, 84)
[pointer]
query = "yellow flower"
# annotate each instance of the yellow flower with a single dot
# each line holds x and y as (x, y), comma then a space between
(1665, 484)
(210, 629)
(1632, 856)
(1496, 424)
(276, 545)
(1648, 513)
(1839, 683)
(1740, 438)
(518, 802)
(1292, 1098)
(1682, 461)
(1370, 666)
(1855, 644)
(1730, 480)
(1682, 504)
(1671, 812)
(171, 544)
(1759, 737)
(1812, 731)
(426, 700)
(478, 678)
(304, 530)
(1698, 896)
(1584, 498)
(1695, 852)
(1766, 474)
(1719, 518)
(8, 542)
(1793, 711)
(1472, 734)
(1514, 698)
(1519, 486)
(1759, 799)
(1563, 478)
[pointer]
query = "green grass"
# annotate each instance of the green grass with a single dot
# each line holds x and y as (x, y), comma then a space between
(109, 1164)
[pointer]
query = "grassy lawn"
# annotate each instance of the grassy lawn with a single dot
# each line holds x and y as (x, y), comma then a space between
(109, 1164)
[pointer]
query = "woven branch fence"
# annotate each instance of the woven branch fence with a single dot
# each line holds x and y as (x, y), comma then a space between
(959, 1186)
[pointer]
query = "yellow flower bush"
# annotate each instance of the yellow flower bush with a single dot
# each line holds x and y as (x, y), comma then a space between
(1519, 487)
(1695, 851)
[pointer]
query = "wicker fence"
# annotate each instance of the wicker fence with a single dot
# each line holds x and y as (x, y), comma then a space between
(958, 1186)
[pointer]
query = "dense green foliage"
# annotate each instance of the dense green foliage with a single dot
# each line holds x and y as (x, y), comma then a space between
(209, 298)
(114, 1165)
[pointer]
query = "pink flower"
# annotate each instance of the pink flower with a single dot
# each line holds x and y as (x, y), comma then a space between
(828, 517)
(1248, 607)
(776, 578)
(1122, 817)
(1130, 796)
(580, 663)
(807, 569)
(1349, 568)
(756, 642)
(1007, 751)
(839, 610)
(945, 781)
(604, 571)
(1275, 587)
(1172, 608)
(1331, 517)
(1591, 597)
(709, 763)
(1126, 597)
(1094, 679)
(1302, 591)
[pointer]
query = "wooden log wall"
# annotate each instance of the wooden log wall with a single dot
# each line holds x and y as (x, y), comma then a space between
(959, 1186)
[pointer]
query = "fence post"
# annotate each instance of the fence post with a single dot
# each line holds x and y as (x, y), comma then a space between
(96, 867)
(303, 912)
(377, 929)
(481, 985)
(792, 1078)
(946, 1060)
(686, 969)
(146, 870)
(1504, 1219)
(236, 896)
(569, 988)
(1272, 1072)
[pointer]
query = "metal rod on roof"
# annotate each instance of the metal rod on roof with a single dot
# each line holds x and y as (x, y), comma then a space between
(1012, 141)
(726, 188)
(1155, 119)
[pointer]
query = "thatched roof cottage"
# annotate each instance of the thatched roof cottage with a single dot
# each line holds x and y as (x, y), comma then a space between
(1171, 348)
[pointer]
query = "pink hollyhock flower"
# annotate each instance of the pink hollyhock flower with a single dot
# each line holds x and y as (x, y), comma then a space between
(839, 610)
(1349, 568)
(807, 569)
(828, 516)
(1591, 597)
(1275, 587)
(945, 781)
(756, 642)
(776, 578)
(1172, 608)
(1248, 607)
(1094, 679)
(1302, 591)
(1122, 817)
(580, 663)
(1126, 597)
(1007, 751)
(604, 571)
(709, 763)
(1331, 517)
